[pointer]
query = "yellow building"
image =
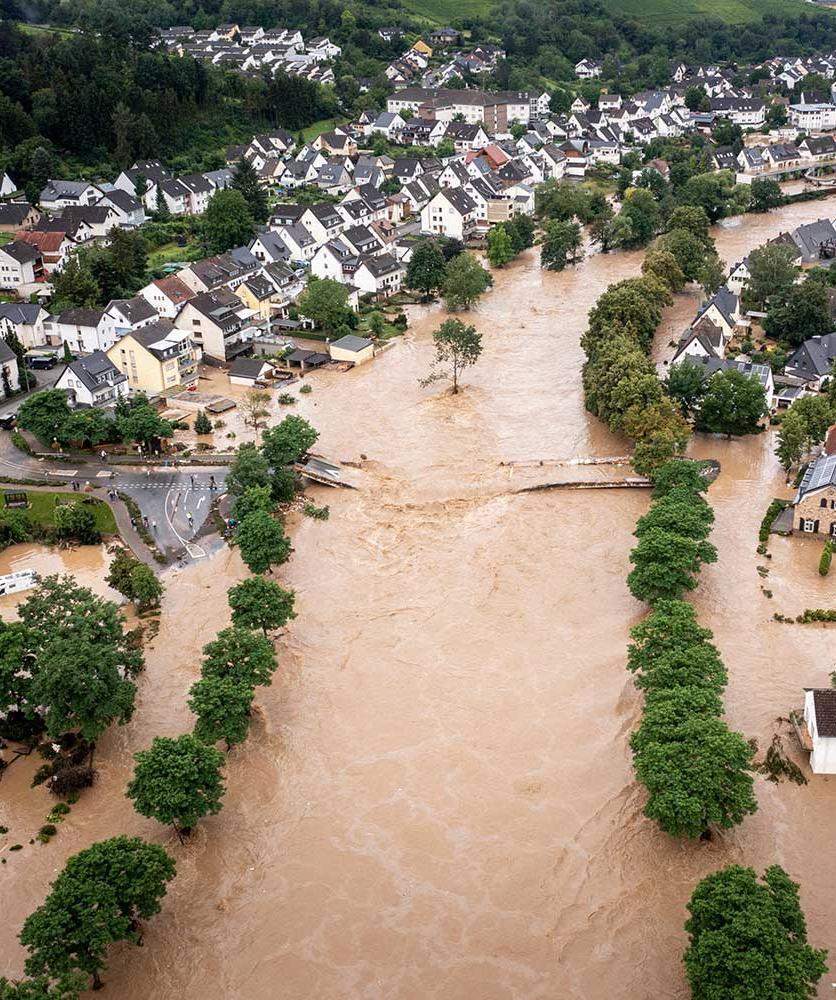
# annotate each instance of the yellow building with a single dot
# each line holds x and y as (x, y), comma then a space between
(269, 294)
(422, 47)
(157, 358)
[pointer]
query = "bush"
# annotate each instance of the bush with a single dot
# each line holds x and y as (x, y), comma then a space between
(20, 442)
(306, 388)
(826, 556)
(317, 513)
(816, 615)
(287, 399)
(202, 424)
(772, 511)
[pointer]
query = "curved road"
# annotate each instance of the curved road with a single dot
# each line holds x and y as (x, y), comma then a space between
(175, 500)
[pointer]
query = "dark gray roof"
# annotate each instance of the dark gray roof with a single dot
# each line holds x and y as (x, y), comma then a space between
(81, 317)
(134, 310)
(248, 367)
(819, 474)
(383, 264)
(20, 312)
(824, 702)
(23, 253)
(6, 353)
(351, 343)
(809, 238)
(95, 369)
(13, 213)
(815, 356)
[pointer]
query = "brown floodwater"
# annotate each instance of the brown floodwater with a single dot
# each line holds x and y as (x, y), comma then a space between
(437, 799)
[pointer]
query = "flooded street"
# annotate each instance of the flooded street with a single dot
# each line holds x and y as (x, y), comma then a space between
(436, 799)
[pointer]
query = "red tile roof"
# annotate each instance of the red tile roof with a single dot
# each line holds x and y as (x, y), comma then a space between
(46, 242)
(175, 288)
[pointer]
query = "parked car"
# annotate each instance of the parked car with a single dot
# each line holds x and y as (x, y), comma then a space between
(8, 422)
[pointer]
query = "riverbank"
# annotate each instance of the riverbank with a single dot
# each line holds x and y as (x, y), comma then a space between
(437, 797)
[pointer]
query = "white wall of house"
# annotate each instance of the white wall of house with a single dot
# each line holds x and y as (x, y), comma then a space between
(823, 757)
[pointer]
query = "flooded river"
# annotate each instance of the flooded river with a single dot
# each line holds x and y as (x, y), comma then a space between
(437, 800)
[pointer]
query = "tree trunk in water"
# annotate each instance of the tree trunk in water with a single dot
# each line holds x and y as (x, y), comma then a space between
(97, 982)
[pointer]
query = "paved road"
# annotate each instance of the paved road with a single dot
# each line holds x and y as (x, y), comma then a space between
(166, 496)
(46, 380)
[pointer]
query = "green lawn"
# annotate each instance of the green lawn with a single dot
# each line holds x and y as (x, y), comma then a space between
(731, 11)
(42, 508)
(325, 125)
(170, 253)
(6, 238)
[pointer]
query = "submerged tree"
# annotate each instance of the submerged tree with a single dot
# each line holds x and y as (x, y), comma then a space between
(456, 347)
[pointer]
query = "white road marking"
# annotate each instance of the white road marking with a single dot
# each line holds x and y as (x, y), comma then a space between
(200, 501)
(195, 551)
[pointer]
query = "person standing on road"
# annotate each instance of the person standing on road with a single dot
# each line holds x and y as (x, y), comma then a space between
(191, 480)
(154, 526)
(104, 455)
(145, 521)
(211, 482)
(191, 519)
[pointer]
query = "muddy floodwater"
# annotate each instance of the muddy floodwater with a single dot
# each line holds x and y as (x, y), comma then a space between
(436, 799)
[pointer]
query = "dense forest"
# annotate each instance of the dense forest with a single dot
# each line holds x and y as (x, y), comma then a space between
(94, 104)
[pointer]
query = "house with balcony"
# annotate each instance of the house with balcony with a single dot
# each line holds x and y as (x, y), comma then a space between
(26, 320)
(157, 358)
(84, 331)
(21, 266)
(167, 296)
(93, 381)
(216, 321)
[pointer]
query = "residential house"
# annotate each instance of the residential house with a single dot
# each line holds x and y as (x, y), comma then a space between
(820, 147)
(9, 367)
(588, 69)
(131, 314)
(813, 360)
(27, 321)
(812, 113)
(62, 194)
(167, 296)
(380, 276)
(93, 381)
(389, 124)
(268, 247)
(7, 186)
(723, 309)
(763, 373)
(54, 246)
(465, 136)
(17, 215)
(748, 112)
(813, 237)
(156, 358)
(323, 222)
(815, 500)
(130, 212)
(703, 340)
(85, 331)
(21, 266)
(216, 321)
(820, 723)
(451, 212)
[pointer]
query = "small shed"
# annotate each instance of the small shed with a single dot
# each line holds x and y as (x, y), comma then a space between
(306, 359)
(356, 350)
(249, 371)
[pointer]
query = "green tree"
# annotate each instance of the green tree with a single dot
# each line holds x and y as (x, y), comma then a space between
(288, 442)
(79, 659)
(697, 773)
(242, 654)
(716, 193)
(77, 522)
(686, 384)
(694, 219)
(255, 603)
(426, 268)
(521, 231)
(465, 281)
(202, 424)
(686, 250)
(44, 413)
(642, 212)
(681, 512)
(734, 403)
(772, 274)
(805, 314)
(766, 194)
(662, 264)
(745, 935)
(500, 249)
(245, 180)
(97, 900)
(680, 473)
(74, 286)
(222, 705)
(138, 421)
(818, 414)
(66, 987)
(227, 221)
(145, 586)
(456, 347)
(792, 439)
(262, 542)
(561, 245)
(252, 499)
(665, 565)
(696, 99)
(177, 781)
(249, 469)
(324, 302)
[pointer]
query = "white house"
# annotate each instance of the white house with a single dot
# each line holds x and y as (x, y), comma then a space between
(20, 265)
(7, 186)
(820, 720)
(587, 69)
(26, 320)
(451, 212)
(63, 194)
(167, 296)
(84, 330)
(380, 276)
(93, 381)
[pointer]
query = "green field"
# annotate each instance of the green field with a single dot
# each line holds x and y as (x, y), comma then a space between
(41, 509)
(665, 12)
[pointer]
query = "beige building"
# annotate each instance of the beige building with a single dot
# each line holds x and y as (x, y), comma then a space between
(157, 358)
(815, 502)
(356, 350)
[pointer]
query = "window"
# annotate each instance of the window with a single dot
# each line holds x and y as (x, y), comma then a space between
(808, 525)
(823, 502)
